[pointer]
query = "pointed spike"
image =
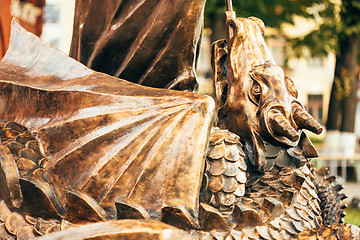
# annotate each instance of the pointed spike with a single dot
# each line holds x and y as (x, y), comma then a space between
(179, 217)
(129, 210)
(339, 187)
(211, 218)
(308, 149)
(342, 196)
(304, 120)
(281, 126)
(82, 208)
(344, 206)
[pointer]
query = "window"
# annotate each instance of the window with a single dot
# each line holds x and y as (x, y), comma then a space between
(315, 106)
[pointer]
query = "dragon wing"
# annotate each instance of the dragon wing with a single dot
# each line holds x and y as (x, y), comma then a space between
(150, 42)
(104, 136)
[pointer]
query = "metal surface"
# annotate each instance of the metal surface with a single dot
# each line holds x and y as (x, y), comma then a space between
(228, 5)
(102, 137)
(255, 99)
(150, 42)
(82, 152)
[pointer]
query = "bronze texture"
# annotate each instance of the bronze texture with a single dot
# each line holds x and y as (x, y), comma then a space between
(150, 42)
(99, 137)
(85, 155)
(255, 100)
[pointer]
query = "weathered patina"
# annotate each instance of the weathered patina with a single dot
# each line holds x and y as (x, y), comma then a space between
(102, 136)
(255, 99)
(150, 42)
(85, 155)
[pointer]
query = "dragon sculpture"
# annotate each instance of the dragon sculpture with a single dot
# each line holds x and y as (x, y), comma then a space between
(86, 155)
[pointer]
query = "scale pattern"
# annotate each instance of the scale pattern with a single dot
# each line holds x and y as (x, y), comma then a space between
(30, 159)
(225, 172)
(279, 204)
(329, 191)
(333, 232)
(24, 227)
(26, 150)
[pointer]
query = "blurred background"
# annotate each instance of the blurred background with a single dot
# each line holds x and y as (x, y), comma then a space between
(315, 41)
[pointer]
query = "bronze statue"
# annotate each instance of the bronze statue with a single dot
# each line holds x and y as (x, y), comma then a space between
(149, 42)
(85, 155)
(255, 99)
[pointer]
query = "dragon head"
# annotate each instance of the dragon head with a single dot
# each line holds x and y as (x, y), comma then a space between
(255, 99)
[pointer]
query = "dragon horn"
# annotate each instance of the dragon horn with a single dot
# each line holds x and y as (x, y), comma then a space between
(304, 120)
(281, 126)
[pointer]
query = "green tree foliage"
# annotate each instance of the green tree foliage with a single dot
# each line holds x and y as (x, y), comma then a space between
(272, 12)
(334, 20)
(276, 12)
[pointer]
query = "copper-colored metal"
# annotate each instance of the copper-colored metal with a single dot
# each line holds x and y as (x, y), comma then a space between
(81, 149)
(5, 20)
(102, 136)
(255, 99)
(330, 197)
(153, 43)
(228, 5)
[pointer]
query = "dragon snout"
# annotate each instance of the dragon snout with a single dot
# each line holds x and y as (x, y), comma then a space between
(285, 126)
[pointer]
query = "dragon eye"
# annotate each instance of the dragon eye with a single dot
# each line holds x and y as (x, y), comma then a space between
(255, 92)
(256, 89)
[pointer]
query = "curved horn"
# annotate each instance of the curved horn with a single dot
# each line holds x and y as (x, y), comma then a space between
(304, 120)
(281, 126)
